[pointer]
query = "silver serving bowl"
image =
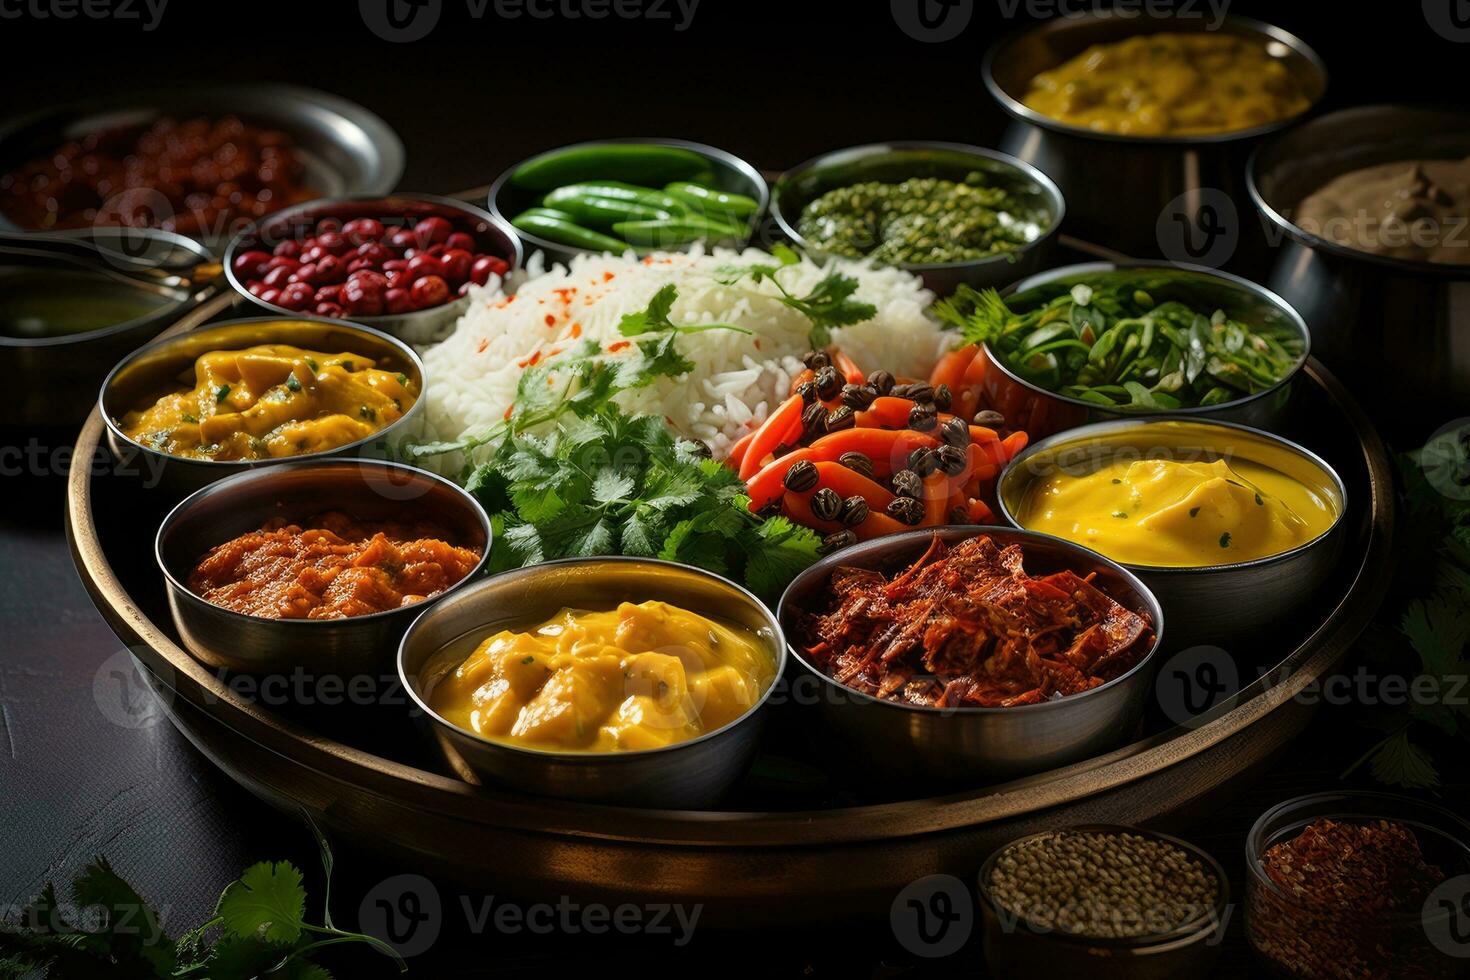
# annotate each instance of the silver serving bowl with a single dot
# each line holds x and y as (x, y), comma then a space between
(1221, 605)
(344, 148)
(367, 490)
(898, 161)
(1133, 193)
(150, 372)
(689, 774)
(732, 174)
(492, 236)
(977, 743)
(1372, 317)
(1041, 412)
(58, 374)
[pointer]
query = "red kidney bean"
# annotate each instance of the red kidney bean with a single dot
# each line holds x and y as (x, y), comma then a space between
(333, 242)
(331, 269)
(484, 266)
(375, 252)
(457, 262)
(359, 300)
(328, 224)
(296, 296)
(327, 294)
(402, 238)
(311, 253)
(460, 240)
(289, 248)
(281, 262)
(330, 309)
(433, 230)
(424, 265)
(277, 277)
(361, 231)
(429, 291)
(268, 295)
(251, 264)
(397, 301)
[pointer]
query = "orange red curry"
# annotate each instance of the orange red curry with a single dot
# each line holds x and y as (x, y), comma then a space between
(335, 568)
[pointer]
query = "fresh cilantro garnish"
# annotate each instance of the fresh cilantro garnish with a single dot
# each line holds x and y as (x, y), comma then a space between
(656, 317)
(221, 393)
(828, 305)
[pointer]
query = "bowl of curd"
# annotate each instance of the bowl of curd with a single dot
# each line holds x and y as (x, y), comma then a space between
(1233, 528)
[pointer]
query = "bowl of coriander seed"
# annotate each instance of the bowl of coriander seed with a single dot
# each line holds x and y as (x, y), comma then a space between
(1102, 901)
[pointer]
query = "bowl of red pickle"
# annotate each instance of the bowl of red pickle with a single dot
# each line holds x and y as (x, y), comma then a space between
(404, 264)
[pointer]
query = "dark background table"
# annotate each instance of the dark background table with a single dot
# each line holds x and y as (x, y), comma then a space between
(773, 82)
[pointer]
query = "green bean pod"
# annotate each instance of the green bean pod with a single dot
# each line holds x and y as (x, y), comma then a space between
(670, 232)
(604, 212)
(613, 190)
(565, 232)
(711, 201)
(648, 162)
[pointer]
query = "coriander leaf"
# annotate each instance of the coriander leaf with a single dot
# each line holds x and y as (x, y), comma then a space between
(688, 543)
(595, 540)
(131, 926)
(776, 552)
(655, 317)
(1399, 762)
(536, 505)
(662, 358)
(610, 486)
(239, 958)
(518, 545)
(268, 901)
(642, 532)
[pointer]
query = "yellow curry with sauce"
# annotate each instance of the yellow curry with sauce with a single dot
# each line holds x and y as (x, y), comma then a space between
(641, 676)
(1170, 84)
(270, 401)
(1160, 512)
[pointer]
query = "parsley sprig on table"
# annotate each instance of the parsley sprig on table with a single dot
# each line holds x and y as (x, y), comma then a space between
(259, 929)
(828, 305)
(1432, 613)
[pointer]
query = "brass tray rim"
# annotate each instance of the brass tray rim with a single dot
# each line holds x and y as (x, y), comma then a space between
(177, 671)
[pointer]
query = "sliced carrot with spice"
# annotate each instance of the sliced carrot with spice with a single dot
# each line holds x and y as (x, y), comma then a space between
(766, 485)
(798, 507)
(737, 451)
(886, 412)
(850, 483)
(877, 524)
(888, 448)
(806, 375)
(1013, 444)
(950, 369)
(848, 368)
(772, 433)
(936, 493)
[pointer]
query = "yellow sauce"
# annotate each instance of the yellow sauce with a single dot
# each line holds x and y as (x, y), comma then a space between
(640, 676)
(1170, 85)
(1179, 514)
(270, 401)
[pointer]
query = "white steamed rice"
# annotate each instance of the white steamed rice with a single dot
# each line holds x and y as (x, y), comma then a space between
(473, 373)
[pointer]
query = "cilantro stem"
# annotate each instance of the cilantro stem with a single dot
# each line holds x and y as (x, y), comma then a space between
(339, 936)
(1374, 749)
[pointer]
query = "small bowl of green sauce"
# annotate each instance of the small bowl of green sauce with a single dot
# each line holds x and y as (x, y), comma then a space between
(949, 213)
(63, 327)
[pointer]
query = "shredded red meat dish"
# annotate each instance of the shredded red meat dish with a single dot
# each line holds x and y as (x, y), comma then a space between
(967, 627)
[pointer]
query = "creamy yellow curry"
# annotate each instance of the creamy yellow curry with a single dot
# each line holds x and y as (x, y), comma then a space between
(1179, 514)
(640, 676)
(270, 401)
(1170, 85)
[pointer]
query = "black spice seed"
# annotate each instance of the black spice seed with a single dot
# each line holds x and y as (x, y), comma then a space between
(857, 462)
(826, 504)
(837, 541)
(922, 418)
(840, 418)
(814, 419)
(906, 483)
(782, 449)
(952, 460)
(990, 418)
(808, 392)
(906, 510)
(919, 391)
(858, 397)
(881, 382)
(923, 461)
(769, 510)
(955, 433)
(943, 397)
(829, 383)
(815, 359)
(802, 476)
(854, 511)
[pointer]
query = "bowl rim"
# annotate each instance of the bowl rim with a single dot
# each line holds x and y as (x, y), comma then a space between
(1304, 333)
(1254, 838)
(1026, 171)
(181, 300)
(245, 465)
(179, 512)
(459, 304)
(1417, 267)
(824, 566)
(1020, 111)
(410, 684)
(546, 246)
(1185, 933)
(1083, 432)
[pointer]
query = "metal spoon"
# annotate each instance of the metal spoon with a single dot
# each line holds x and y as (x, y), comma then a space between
(144, 255)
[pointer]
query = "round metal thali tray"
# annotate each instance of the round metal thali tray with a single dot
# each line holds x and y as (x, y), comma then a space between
(806, 836)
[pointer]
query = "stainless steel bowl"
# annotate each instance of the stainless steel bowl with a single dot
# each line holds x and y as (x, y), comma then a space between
(1373, 318)
(960, 744)
(686, 775)
(1221, 605)
(150, 372)
(57, 376)
(492, 235)
(368, 490)
(345, 148)
(1134, 193)
(897, 161)
(1041, 412)
(732, 174)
